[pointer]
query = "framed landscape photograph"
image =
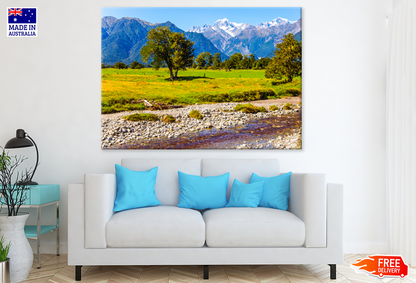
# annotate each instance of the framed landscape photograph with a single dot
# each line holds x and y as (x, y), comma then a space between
(201, 78)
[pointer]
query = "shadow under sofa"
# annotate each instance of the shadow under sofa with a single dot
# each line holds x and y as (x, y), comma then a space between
(310, 232)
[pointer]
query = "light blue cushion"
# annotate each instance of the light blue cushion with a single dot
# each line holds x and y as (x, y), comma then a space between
(202, 192)
(245, 195)
(276, 190)
(135, 188)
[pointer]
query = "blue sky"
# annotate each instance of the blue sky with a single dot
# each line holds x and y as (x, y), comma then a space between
(185, 18)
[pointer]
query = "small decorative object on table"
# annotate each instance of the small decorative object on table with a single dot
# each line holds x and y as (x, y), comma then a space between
(13, 194)
(21, 141)
(4, 261)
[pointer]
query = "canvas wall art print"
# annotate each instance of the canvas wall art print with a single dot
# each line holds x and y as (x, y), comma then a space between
(201, 78)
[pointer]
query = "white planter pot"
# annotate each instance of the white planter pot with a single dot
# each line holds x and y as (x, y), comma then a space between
(20, 254)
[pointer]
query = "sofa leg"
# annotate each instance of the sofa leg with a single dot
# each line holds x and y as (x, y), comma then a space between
(78, 273)
(333, 271)
(206, 272)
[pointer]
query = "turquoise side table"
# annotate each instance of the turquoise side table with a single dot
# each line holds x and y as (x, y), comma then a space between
(37, 197)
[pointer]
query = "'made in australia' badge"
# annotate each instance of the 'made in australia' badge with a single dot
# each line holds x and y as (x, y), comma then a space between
(22, 22)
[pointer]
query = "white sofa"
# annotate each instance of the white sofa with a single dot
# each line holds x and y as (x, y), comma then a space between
(310, 232)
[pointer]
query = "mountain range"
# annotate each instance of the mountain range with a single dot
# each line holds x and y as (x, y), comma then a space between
(260, 40)
(122, 39)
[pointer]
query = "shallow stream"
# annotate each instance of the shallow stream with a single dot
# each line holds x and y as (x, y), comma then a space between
(255, 131)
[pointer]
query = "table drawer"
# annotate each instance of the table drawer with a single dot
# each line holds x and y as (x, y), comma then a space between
(41, 194)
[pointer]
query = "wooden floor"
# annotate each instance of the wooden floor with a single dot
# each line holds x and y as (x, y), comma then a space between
(55, 269)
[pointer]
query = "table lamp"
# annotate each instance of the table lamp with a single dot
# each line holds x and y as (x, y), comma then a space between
(22, 139)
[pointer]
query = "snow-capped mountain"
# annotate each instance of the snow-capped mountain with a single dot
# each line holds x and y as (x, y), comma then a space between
(230, 28)
(233, 29)
(260, 40)
(275, 23)
(199, 29)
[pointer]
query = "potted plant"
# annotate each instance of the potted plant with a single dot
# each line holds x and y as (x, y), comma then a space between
(4, 261)
(13, 189)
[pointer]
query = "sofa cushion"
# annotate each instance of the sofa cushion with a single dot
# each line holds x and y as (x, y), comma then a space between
(240, 169)
(202, 192)
(253, 227)
(167, 184)
(276, 190)
(156, 227)
(135, 188)
(245, 195)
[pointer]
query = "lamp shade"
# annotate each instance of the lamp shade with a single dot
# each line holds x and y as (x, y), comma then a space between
(22, 139)
(19, 141)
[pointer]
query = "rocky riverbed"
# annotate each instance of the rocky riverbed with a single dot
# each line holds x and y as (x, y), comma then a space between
(221, 128)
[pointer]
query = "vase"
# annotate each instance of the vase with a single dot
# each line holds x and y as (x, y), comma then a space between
(20, 254)
(5, 271)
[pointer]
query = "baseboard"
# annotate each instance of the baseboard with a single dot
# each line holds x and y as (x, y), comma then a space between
(49, 248)
(365, 248)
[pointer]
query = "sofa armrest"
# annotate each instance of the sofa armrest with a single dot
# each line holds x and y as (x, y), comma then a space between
(308, 201)
(335, 220)
(75, 221)
(99, 193)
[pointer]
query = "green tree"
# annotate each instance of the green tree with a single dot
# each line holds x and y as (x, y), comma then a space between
(200, 61)
(247, 62)
(120, 65)
(204, 60)
(228, 65)
(208, 58)
(262, 63)
(235, 60)
(136, 65)
(216, 61)
(102, 65)
(253, 60)
(166, 47)
(183, 54)
(287, 60)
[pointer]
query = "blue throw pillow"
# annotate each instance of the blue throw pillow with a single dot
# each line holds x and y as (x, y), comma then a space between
(276, 190)
(245, 195)
(135, 188)
(202, 192)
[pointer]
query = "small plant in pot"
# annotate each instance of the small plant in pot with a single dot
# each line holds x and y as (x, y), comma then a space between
(14, 193)
(4, 260)
(4, 249)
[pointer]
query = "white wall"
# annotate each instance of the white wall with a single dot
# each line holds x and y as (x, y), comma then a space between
(396, 3)
(50, 86)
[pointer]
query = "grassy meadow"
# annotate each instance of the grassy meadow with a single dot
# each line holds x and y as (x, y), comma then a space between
(120, 88)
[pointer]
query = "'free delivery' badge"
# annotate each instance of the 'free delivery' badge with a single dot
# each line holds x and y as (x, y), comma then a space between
(22, 22)
(382, 265)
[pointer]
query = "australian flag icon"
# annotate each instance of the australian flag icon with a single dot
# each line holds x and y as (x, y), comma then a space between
(21, 15)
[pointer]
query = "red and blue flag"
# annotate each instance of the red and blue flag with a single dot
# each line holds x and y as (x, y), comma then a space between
(21, 15)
